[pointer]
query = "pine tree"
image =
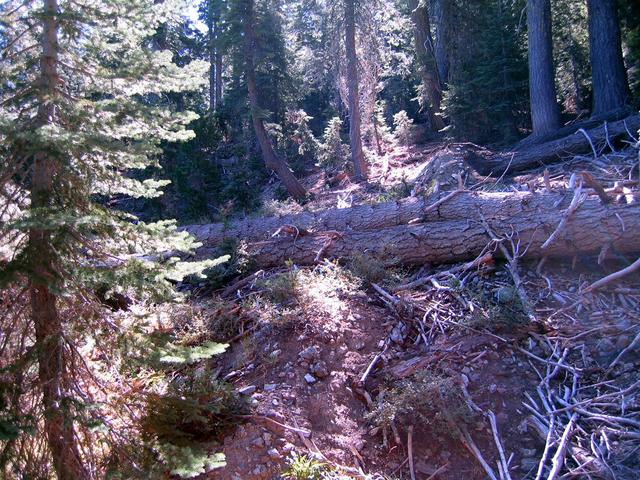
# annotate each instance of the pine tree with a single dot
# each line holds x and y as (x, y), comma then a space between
(81, 104)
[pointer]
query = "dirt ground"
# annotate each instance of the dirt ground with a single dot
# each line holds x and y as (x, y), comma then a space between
(304, 377)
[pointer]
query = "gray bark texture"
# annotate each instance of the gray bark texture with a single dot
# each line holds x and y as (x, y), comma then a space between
(545, 114)
(610, 83)
(402, 233)
(554, 151)
(355, 137)
(425, 54)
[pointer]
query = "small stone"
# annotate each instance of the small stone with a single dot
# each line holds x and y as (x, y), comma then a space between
(398, 333)
(258, 443)
(493, 387)
(288, 447)
(270, 387)
(310, 379)
(275, 354)
(266, 437)
(319, 369)
(275, 402)
(248, 390)
(273, 453)
(254, 402)
(310, 353)
(259, 470)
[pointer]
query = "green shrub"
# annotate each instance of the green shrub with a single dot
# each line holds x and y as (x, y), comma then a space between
(282, 288)
(302, 467)
(367, 268)
(403, 127)
(423, 398)
(333, 154)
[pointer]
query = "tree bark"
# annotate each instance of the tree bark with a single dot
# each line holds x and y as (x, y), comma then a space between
(441, 13)
(355, 138)
(271, 160)
(58, 421)
(545, 115)
(425, 53)
(215, 56)
(610, 83)
(372, 218)
(554, 151)
(532, 222)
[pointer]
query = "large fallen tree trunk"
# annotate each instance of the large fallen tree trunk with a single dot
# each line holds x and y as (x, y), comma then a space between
(445, 206)
(529, 218)
(555, 151)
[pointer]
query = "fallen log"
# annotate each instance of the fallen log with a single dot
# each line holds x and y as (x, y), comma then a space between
(590, 227)
(586, 124)
(444, 206)
(508, 163)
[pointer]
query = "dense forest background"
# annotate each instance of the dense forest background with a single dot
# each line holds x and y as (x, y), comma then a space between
(454, 69)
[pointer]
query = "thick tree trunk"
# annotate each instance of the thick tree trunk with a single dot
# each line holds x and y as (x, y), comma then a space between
(372, 218)
(58, 421)
(532, 221)
(441, 18)
(215, 58)
(425, 53)
(554, 151)
(271, 160)
(545, 115)
(355, 138)
(610, 83)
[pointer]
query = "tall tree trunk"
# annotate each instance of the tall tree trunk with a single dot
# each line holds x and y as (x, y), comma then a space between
(215, 56)
(441, 12)
(271, 160)
(58, 421)
(610, 83)
(545, 115)
(425, 53)
(218, 80)
(355, 139)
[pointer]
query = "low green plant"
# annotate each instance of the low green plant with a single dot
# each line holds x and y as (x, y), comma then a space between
(195, 408)
(367, 268)
(302, 467)
(424, 398)
(282, 288)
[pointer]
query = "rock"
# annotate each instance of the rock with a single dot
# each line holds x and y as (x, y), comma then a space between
(248, 390)
(273, 453)
(270, 387)
(259, 470)
(319, 369)
(398, 333)
(275, 402)
(258, 443)
(267, 438)
(310, 353)
(493, 387)
(275, 354)
(310, 379)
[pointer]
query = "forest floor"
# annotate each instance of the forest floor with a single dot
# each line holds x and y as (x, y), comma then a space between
(367, 383)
